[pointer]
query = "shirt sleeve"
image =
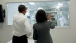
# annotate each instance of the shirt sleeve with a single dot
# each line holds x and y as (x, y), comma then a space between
(28, 28)
(52, 24)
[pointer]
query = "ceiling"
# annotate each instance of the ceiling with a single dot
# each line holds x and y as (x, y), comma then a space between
(47, 5)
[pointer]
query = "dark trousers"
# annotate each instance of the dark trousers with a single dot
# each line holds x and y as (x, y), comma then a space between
(21, 39)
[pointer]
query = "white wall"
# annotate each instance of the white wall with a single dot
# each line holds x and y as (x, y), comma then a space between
(64, 35)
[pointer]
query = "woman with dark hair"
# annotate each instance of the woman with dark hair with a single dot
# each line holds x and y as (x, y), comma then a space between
(41, 29)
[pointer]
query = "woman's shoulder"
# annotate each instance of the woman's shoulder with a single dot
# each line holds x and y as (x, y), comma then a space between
(48, 21)
(34, 24)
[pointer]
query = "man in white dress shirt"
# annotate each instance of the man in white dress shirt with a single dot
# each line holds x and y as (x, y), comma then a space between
(22, 28)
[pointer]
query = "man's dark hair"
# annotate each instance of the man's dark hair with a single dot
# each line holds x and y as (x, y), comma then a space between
(21, 8)
(41, 16)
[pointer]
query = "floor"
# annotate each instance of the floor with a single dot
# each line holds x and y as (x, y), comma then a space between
(29, 41)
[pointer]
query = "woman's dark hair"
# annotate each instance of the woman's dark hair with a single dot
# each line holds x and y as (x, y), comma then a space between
(21, 8)
(41, 16)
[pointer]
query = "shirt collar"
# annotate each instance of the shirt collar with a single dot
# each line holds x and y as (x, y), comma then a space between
(21, 14)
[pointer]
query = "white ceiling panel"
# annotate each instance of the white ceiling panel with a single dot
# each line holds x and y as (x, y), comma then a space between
(47, 5)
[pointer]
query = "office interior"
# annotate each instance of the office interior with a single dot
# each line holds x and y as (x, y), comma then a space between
(61, 34)
(59, 11)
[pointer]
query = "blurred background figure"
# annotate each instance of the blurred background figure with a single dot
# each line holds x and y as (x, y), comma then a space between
(62, 20)
(41, 29)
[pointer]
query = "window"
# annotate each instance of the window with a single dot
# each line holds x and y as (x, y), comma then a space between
(59, 11)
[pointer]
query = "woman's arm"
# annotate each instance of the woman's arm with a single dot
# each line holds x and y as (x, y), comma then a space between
(52, 24)
(34, 33)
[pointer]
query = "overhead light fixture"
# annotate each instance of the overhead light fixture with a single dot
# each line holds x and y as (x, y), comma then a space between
(31, 3)
(60, 4)
(40, 8)
(22, 3)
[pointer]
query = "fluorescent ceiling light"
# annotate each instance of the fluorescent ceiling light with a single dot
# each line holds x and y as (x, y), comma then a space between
(40, 8)
(22, 3)
(31, 3)
(60, 4)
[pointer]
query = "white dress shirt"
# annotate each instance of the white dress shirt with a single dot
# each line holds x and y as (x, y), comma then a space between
(21, 25)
